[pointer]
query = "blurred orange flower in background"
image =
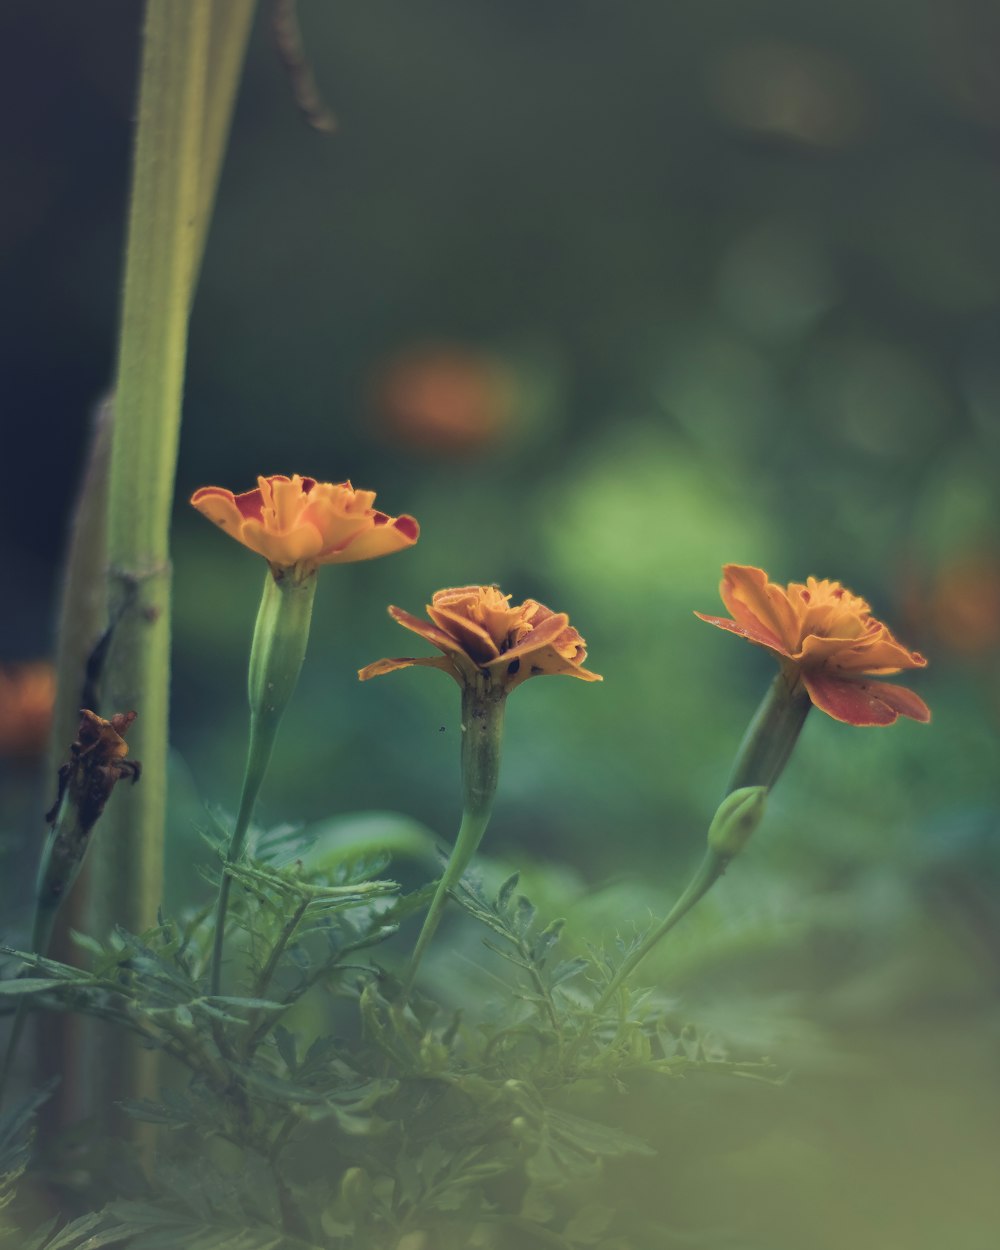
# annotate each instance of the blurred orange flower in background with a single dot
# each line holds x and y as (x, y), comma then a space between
(482, 635)
(301, 523)
(442, 398)
(963, 605)
(27, 697)
(828, 639)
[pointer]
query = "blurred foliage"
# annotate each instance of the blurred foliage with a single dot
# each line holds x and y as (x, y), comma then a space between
(692, 283)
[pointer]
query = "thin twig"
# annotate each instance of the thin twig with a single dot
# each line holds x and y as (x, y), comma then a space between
(288, 40)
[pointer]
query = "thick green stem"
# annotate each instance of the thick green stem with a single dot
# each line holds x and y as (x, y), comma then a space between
(159, 267)
(84, 605)
(482, 737)
(279, 647)
(771, 735)
(147, 407)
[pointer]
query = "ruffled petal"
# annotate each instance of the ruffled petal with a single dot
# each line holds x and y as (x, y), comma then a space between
(545, 635)
(391, 665)
(752, 632)
(437, 637)
(547, 661)
(220, 506)
(472, 637)
(370, 542)
(285, 549)
(760, 604)
(482, 636)
(299, 521)
(858, 702)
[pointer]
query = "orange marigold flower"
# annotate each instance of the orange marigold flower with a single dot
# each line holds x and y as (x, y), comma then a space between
(482, 635)
(301, 523)
(828, 639)
(27, 696)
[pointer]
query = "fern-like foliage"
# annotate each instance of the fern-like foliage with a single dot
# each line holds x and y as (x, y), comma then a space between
(313, 1105)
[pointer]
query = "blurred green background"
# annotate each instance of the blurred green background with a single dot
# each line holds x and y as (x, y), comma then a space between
(605, 295)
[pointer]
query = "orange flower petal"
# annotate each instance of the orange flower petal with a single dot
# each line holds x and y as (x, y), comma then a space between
(438, 637)
(862, 702)
(474, 639)
(380, 667)
(220, 506)
(297, 521)
(485, 639)
(549, 662)
(283, 548)
(756, 602)
(753, 633)
(381, 539)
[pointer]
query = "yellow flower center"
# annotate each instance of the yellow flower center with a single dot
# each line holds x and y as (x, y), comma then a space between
(825, 609)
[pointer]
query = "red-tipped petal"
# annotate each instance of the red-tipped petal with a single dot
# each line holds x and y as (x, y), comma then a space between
(753, 633)
(757, 603)
(437, 637)
(381, 667)
(544, 635)
(863, 702)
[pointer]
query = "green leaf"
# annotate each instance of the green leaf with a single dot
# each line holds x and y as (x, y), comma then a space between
(29, 985)
(506, 890)
(568, 969)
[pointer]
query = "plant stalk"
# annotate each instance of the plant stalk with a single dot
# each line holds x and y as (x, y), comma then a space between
(279, 647)
(160, 261)
(765, 750)
(482, 737)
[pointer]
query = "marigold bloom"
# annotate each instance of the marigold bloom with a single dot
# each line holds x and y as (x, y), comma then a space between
(828, 639)
(482, 635)
(299, 522)
(27, 696)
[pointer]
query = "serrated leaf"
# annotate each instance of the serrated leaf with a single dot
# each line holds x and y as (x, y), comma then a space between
(567, 969)
(546, 940)
(524, 915)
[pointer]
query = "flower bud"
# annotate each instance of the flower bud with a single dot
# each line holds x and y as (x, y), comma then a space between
(738, 816)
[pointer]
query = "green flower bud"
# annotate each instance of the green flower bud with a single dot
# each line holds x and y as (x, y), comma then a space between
(738, 816)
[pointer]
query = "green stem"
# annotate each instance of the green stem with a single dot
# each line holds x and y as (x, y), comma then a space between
(279, 646)
(482, 737)
(62, 858)
(159, 267)
(771, 735)
(709, 871)
(470, 834)
(765, 750)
